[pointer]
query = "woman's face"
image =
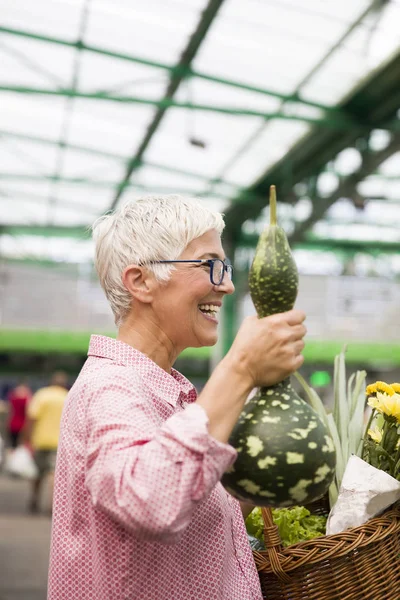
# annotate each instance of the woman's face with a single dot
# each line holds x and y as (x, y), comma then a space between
(188, 305)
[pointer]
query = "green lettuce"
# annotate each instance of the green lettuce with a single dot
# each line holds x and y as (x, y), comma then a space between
(295, 524)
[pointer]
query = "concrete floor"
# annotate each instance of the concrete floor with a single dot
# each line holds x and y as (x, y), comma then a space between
(24, 544)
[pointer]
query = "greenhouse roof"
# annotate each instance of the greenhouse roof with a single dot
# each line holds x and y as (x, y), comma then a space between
(106, 100)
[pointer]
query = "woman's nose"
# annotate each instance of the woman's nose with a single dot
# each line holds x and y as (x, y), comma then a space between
(227, 286)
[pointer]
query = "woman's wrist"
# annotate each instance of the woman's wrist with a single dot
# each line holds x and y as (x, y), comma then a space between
(223, 398)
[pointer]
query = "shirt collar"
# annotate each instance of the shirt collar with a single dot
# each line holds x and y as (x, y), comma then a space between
(171, 387)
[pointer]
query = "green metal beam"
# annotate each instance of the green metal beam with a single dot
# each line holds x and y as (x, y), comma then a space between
(341, 122)
(311, 242)
(75, 180)
(42, 341)
(72, 231)
(183, 71)
(95, 183)
(81, 45)
(88, 182)
(45, 341)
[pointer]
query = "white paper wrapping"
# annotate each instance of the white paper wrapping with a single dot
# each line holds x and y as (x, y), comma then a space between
(365, 492)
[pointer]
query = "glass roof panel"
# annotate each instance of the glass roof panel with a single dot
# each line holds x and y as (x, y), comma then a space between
(106, 74)
(59, 152)
(158, 179)
(23, 211)
(28, 187)
(56, 249)
(51, 17)
(132, 193)
(200, 91)
(22, 157)
(369, 44)
(274, 39)
(317, 263)
(108, 126)
(90, 197)
(28, 62)
(62, 216)
(356, 231)
(89, 166)
(34, 115)
(215, 202)
(221, 134)
(384, 33)
(391, 166)
(375, 212)
(379, 187)
(143, 28)
(271, 145)
(382, 212)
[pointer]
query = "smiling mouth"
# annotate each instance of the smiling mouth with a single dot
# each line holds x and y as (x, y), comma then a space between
(209, 310)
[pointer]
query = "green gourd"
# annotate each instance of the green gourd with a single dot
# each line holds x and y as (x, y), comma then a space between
(285, 453)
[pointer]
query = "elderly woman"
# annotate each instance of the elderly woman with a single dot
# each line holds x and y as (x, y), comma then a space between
(139, 512)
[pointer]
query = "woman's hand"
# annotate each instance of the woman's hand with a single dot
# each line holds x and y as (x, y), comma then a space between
(268, 350)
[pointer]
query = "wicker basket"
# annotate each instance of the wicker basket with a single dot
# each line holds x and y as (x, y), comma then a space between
(361, 563)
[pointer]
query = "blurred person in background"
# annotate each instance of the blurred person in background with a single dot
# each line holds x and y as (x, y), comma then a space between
(4, 411)
(42, 432)
(139, 511)
(18, 400)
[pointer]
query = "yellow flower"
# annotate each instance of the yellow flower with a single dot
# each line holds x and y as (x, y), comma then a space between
(376, 435)
(379, 386)
(395, 387)
(386, 404)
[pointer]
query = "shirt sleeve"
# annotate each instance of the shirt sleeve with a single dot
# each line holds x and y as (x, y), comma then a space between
(150, 478)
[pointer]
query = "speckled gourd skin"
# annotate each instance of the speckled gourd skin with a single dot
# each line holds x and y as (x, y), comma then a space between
(285, 454)
(273, 276)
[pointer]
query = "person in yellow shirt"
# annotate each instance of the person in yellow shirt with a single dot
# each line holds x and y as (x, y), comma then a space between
(44, 416)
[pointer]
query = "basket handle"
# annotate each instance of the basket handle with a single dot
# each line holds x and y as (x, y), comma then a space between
(273, 544)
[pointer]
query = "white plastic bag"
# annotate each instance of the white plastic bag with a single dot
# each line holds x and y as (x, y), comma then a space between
(365, 492)
(20, 463)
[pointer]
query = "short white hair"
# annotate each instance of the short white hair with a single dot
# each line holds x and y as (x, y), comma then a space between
(143, 230)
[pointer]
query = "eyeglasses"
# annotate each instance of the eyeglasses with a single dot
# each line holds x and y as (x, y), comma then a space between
(218, 267)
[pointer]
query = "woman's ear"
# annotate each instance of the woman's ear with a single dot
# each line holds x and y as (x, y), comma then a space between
(139, 282)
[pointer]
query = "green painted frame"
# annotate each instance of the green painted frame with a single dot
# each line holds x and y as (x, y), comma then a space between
(315, 352)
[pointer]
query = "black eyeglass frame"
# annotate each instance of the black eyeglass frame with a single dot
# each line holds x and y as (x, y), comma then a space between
(227, 268)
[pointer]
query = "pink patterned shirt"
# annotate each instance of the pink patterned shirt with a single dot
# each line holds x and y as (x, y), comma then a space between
(139, 513)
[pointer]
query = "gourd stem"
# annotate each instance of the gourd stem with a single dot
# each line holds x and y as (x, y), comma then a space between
(272, 205)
